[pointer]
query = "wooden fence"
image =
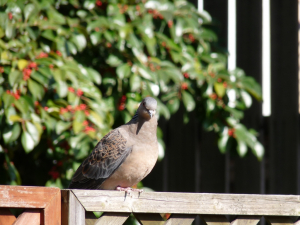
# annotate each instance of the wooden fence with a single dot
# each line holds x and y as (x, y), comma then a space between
(147, 207)
(42, 205)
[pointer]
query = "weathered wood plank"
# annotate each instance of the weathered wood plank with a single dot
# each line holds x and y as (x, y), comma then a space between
(6, 217)
(215, 219)
(90, 218)
(279, 220)
(26, 197)
(189, 203)
(112, 218)
(246, 220)
(149, 218)
(52, 212)
(181, 219)
(29, 216)
(72, 211)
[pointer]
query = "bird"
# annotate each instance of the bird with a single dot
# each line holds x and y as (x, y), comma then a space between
(124, 156)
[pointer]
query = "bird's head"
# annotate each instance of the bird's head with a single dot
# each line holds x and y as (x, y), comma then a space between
(147, 108)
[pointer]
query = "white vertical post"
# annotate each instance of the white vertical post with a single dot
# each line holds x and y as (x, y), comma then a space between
(231, 45)
(200, 5)
(231, 34)
(266, 58)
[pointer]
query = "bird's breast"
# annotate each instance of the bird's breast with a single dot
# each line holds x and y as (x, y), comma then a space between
(136, 166)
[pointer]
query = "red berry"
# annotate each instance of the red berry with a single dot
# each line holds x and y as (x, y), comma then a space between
(10, 15)
(58, 53)
(219, 80)
(213, 96)
(85, 123)
(79, 92)
(191, 37)
(16, 96)
(46, 108)
(123, 98)
(86, 112)
(231, 132)
(121, 107)
(36, 103)
(225, 84)
(97, 29)
(70, 89)
(108, 45)
(138, 8)
(82, 106)
(42, 55)
(170, 23)
(184, 86)
(186, 75)
(98, 3)
(1, 69)
(32, 65)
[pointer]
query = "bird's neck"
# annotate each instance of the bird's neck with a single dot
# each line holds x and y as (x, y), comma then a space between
(138, 125)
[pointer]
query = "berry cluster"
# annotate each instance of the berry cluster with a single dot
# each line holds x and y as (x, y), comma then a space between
(42, 55)
(16, 94)
(28, 70)
(122, 104)
(79, 92)
(231, 132)
(155, 14)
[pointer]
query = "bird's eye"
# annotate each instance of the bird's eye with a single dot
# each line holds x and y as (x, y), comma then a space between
(144, 104)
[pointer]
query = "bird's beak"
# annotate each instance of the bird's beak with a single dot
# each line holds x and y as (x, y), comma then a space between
(151, 113)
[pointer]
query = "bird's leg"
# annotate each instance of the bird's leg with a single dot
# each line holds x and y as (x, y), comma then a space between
(128, 190)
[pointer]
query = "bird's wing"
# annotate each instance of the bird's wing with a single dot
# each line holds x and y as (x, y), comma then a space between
(106, 157)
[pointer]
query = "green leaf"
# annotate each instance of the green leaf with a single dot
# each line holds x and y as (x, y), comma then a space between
(22, 63)
(123, 71)
(113, 61)
(15, 118)
(33, 131)
(14, 77)
(8, 99)
(135, 82)
(220, 89)
(246, 98)
(241, 148)
(80, 41)
(36, 89)
(95, 75)
(62, 126)
(188, 101)
(28, 9)
(173, 105)
(27, 142)
(11, 133)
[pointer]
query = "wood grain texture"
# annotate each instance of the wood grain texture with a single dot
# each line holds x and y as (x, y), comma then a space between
(112, 218)
(215, 219)
(26, 197)
(149, 218)
(246, 220)
(279, 220)
(180, 219)
(189, 203)
(72, 211)
(52, 212)
(29, 216)
(6, 217)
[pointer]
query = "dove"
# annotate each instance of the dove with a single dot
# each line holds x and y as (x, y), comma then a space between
(124, 156)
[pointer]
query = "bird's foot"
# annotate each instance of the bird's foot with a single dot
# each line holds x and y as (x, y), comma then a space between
(128, 190)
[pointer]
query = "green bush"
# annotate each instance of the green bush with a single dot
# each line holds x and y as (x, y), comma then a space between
(71, 70)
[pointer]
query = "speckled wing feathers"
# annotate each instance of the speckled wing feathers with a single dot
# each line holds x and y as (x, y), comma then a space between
(106, 157)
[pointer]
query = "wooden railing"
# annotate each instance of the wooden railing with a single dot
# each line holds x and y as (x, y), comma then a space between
(147, 207)
(42, 205)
